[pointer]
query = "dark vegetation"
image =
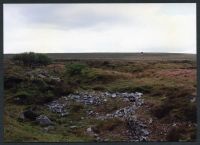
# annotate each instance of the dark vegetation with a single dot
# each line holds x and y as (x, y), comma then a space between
(169, 86)
(32, 59)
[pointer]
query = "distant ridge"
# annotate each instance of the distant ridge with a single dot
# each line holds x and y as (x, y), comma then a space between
(119, 56)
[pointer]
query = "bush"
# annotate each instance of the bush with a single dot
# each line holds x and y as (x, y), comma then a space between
(76, 69)
(21, 97)
(31, 59)
(12, 81)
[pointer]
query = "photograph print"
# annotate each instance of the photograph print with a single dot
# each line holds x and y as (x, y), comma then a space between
(100, 72)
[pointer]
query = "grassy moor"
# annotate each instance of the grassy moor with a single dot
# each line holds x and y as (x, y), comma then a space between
(97, 97)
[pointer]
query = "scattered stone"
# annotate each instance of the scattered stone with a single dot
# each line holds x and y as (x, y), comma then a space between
(137, 129)
(64, 114)
(21, 116)
(114, 95)
(193, 100)
(142, 138)
(150, 121)
(41, 76)
(132, 99)
(57, 79)
(98, 139)
(174, 124)
(89, 130)
(48, 128)
(72, 127)
(106, 140)
(98, 98)
(44, 120)
(58, 107)
(126, 100)
(145, 132)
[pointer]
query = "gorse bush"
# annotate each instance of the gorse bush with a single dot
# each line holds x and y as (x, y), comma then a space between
(32, 58)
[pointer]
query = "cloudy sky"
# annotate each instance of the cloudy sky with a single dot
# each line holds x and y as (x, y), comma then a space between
(51, 28)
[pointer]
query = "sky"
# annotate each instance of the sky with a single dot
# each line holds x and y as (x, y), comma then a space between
(66, 28)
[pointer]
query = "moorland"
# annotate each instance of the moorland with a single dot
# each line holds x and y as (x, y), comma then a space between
(99, 97)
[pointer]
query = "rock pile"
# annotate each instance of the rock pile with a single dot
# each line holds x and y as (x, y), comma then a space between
(42, 74)
(59, 107)
(98, 98)
(121, 113)
(137, 130)
(44, 120)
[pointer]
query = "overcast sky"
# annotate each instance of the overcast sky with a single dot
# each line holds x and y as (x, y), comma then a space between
(62, 28)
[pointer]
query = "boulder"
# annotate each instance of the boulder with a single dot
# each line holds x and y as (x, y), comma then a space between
(44, 120)
(48, 128)
(145, 132)
(56, 79)
(98, 139)
(64, 114)
(41, 76)
(21, 116)
(72, 127)
(132, 99)
(150, 121)
(114, 95)
(89, 130)
(30, 114)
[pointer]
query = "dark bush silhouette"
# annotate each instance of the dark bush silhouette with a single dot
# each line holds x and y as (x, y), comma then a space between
(32, 59)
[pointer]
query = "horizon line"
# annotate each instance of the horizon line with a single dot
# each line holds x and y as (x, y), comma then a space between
(101, 52)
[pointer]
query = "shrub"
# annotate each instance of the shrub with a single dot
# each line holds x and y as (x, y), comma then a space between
(31, 59)
(21, 97)
(12, 81)
(105, 63)
(76, 69)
